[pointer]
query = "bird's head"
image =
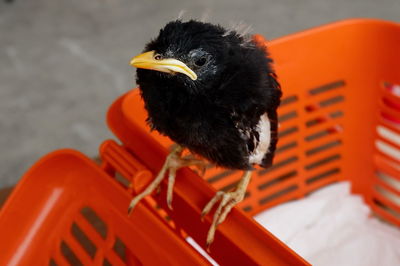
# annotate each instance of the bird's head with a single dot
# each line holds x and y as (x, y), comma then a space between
(193, 53)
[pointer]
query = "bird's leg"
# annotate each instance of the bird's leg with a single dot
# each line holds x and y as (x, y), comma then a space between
(174, 165)
(228, 201)
(173, 162)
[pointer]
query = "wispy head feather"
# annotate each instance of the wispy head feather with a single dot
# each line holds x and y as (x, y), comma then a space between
(205, 16)
(181, 14)
(241, 30)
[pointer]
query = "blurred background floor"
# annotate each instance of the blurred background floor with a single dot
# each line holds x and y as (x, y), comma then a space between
(62, 63)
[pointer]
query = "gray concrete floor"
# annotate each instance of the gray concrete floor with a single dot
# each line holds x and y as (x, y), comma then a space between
(62, 63)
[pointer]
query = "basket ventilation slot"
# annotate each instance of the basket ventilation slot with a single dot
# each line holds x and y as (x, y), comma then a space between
(385, 194)
(83, 240)
(390, 103)
(278, 194)
(322, 162)
(278, 179)
(106, 262)
(323, 175)
(87, 243)
(327, 87)
(95, 221)
(69, 255)
(385, 209)
(122, 180)
(120, 249)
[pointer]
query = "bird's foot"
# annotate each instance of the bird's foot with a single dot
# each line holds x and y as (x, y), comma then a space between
(228, 201)
(173, 162)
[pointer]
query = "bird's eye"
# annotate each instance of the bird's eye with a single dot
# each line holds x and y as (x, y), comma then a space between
(157, 57)
(201, 61)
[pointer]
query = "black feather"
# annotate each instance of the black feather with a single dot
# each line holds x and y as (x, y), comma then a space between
(234, 88)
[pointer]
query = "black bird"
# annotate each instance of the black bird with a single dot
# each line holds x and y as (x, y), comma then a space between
(213, 92)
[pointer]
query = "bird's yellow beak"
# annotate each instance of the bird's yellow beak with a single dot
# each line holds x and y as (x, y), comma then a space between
(168, 65)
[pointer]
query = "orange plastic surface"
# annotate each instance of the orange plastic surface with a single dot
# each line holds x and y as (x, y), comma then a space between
(339, 84)
(45, 218)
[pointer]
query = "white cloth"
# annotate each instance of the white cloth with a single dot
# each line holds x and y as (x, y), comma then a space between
(334, 227)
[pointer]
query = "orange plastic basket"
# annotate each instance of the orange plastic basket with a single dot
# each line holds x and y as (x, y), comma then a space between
(339, 96)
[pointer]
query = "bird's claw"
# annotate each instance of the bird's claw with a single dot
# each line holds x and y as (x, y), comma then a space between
(132, 204)
(228, 201)
(171, 164)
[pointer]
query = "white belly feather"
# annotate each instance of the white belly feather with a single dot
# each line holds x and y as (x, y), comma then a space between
(261, 147)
